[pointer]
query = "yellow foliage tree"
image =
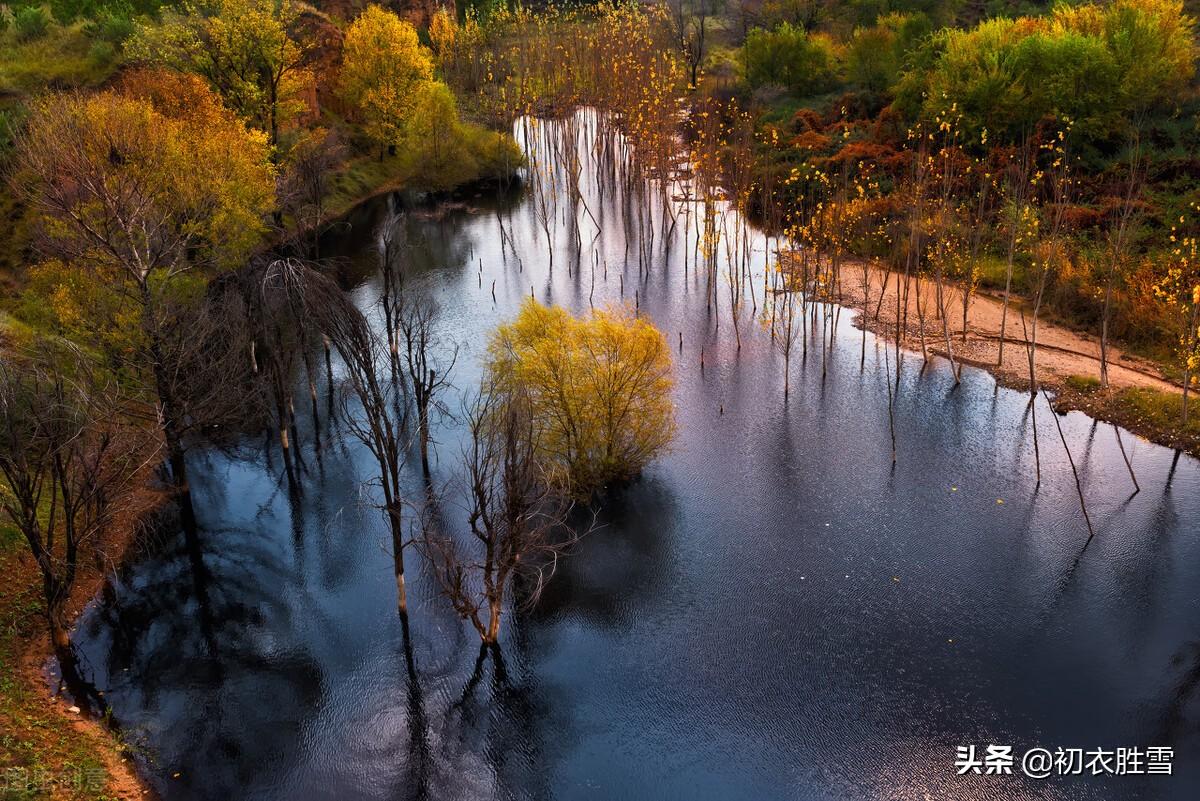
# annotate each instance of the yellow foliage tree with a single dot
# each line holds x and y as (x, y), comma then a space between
(384, 68)
(1179, 290)
(136, 204)
(442, 156)
(600, 390)
(443, 30)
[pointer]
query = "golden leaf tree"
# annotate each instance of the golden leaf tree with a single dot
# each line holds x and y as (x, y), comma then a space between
(599, 389)
(1179, 290)
(137, 203)
(384, 69)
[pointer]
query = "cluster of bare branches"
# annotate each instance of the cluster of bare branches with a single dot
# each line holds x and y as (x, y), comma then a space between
(517, 520)
(69, 454)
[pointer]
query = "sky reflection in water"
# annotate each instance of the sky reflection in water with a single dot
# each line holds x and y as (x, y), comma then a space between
(771, 612)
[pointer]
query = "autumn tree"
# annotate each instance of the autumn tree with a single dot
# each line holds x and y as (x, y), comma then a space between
(137, 208)
(1179, 290)
(244, 49)
(384, 70)
(599, 389)
(443, 157)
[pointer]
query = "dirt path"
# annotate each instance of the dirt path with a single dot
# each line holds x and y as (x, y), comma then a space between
(1061, 352)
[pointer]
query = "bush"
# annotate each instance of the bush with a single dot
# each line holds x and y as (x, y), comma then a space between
(600, 388)
(31, 23)
(789, 57)
(1083, 384)
(113, 24)
(445, 152)
(875, 55)
(1097, 65)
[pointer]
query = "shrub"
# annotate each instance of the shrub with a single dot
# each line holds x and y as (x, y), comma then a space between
(31, 23)
(600, 388)
(446, 152)
(112, 24)
(789, 57)
(875, 55)
(1098, 65)
(1083, 384)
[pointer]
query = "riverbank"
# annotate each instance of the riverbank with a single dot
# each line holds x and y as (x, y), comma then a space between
(48, 749)
(1139, 397)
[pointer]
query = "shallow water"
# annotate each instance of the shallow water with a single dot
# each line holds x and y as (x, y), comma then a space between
(771, 612)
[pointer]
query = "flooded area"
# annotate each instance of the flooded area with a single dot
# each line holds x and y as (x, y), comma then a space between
(772, 611)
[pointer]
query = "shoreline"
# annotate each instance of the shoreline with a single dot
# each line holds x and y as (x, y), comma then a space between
(34, 666)
(1067, 361)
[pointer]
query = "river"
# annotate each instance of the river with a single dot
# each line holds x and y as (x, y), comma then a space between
(772, 611)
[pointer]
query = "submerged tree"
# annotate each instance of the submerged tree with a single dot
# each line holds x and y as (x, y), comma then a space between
(373, 407)
(599, 389)
(516, 519)
(426, 371)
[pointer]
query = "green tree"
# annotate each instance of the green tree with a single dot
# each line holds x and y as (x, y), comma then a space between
(790, 57)
(243, 48)
(1100, 66)
(442, 156)
(875, 55)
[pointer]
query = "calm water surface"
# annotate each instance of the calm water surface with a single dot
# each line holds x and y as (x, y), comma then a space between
(771, 612)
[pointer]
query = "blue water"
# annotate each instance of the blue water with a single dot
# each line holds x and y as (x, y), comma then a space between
(773, 611)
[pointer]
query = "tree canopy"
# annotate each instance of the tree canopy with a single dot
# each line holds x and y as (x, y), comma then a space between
(790, 57)
(243, 48)
(384, 68)
(1096, 65)
(138, 191)
(599, 388)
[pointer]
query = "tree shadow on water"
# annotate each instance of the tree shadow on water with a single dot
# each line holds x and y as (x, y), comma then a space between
(620, 565)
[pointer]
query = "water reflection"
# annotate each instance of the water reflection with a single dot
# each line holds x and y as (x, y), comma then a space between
(773, 611)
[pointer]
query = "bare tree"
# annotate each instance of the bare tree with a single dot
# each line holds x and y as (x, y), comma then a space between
(373, 408)
(1119, 235)
(785, 325)
(305, 183)
(67, 457)
(425, 371)
(281, 294)
(393, 252)
(691, 27)
(517, 522)
(1016, 183)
